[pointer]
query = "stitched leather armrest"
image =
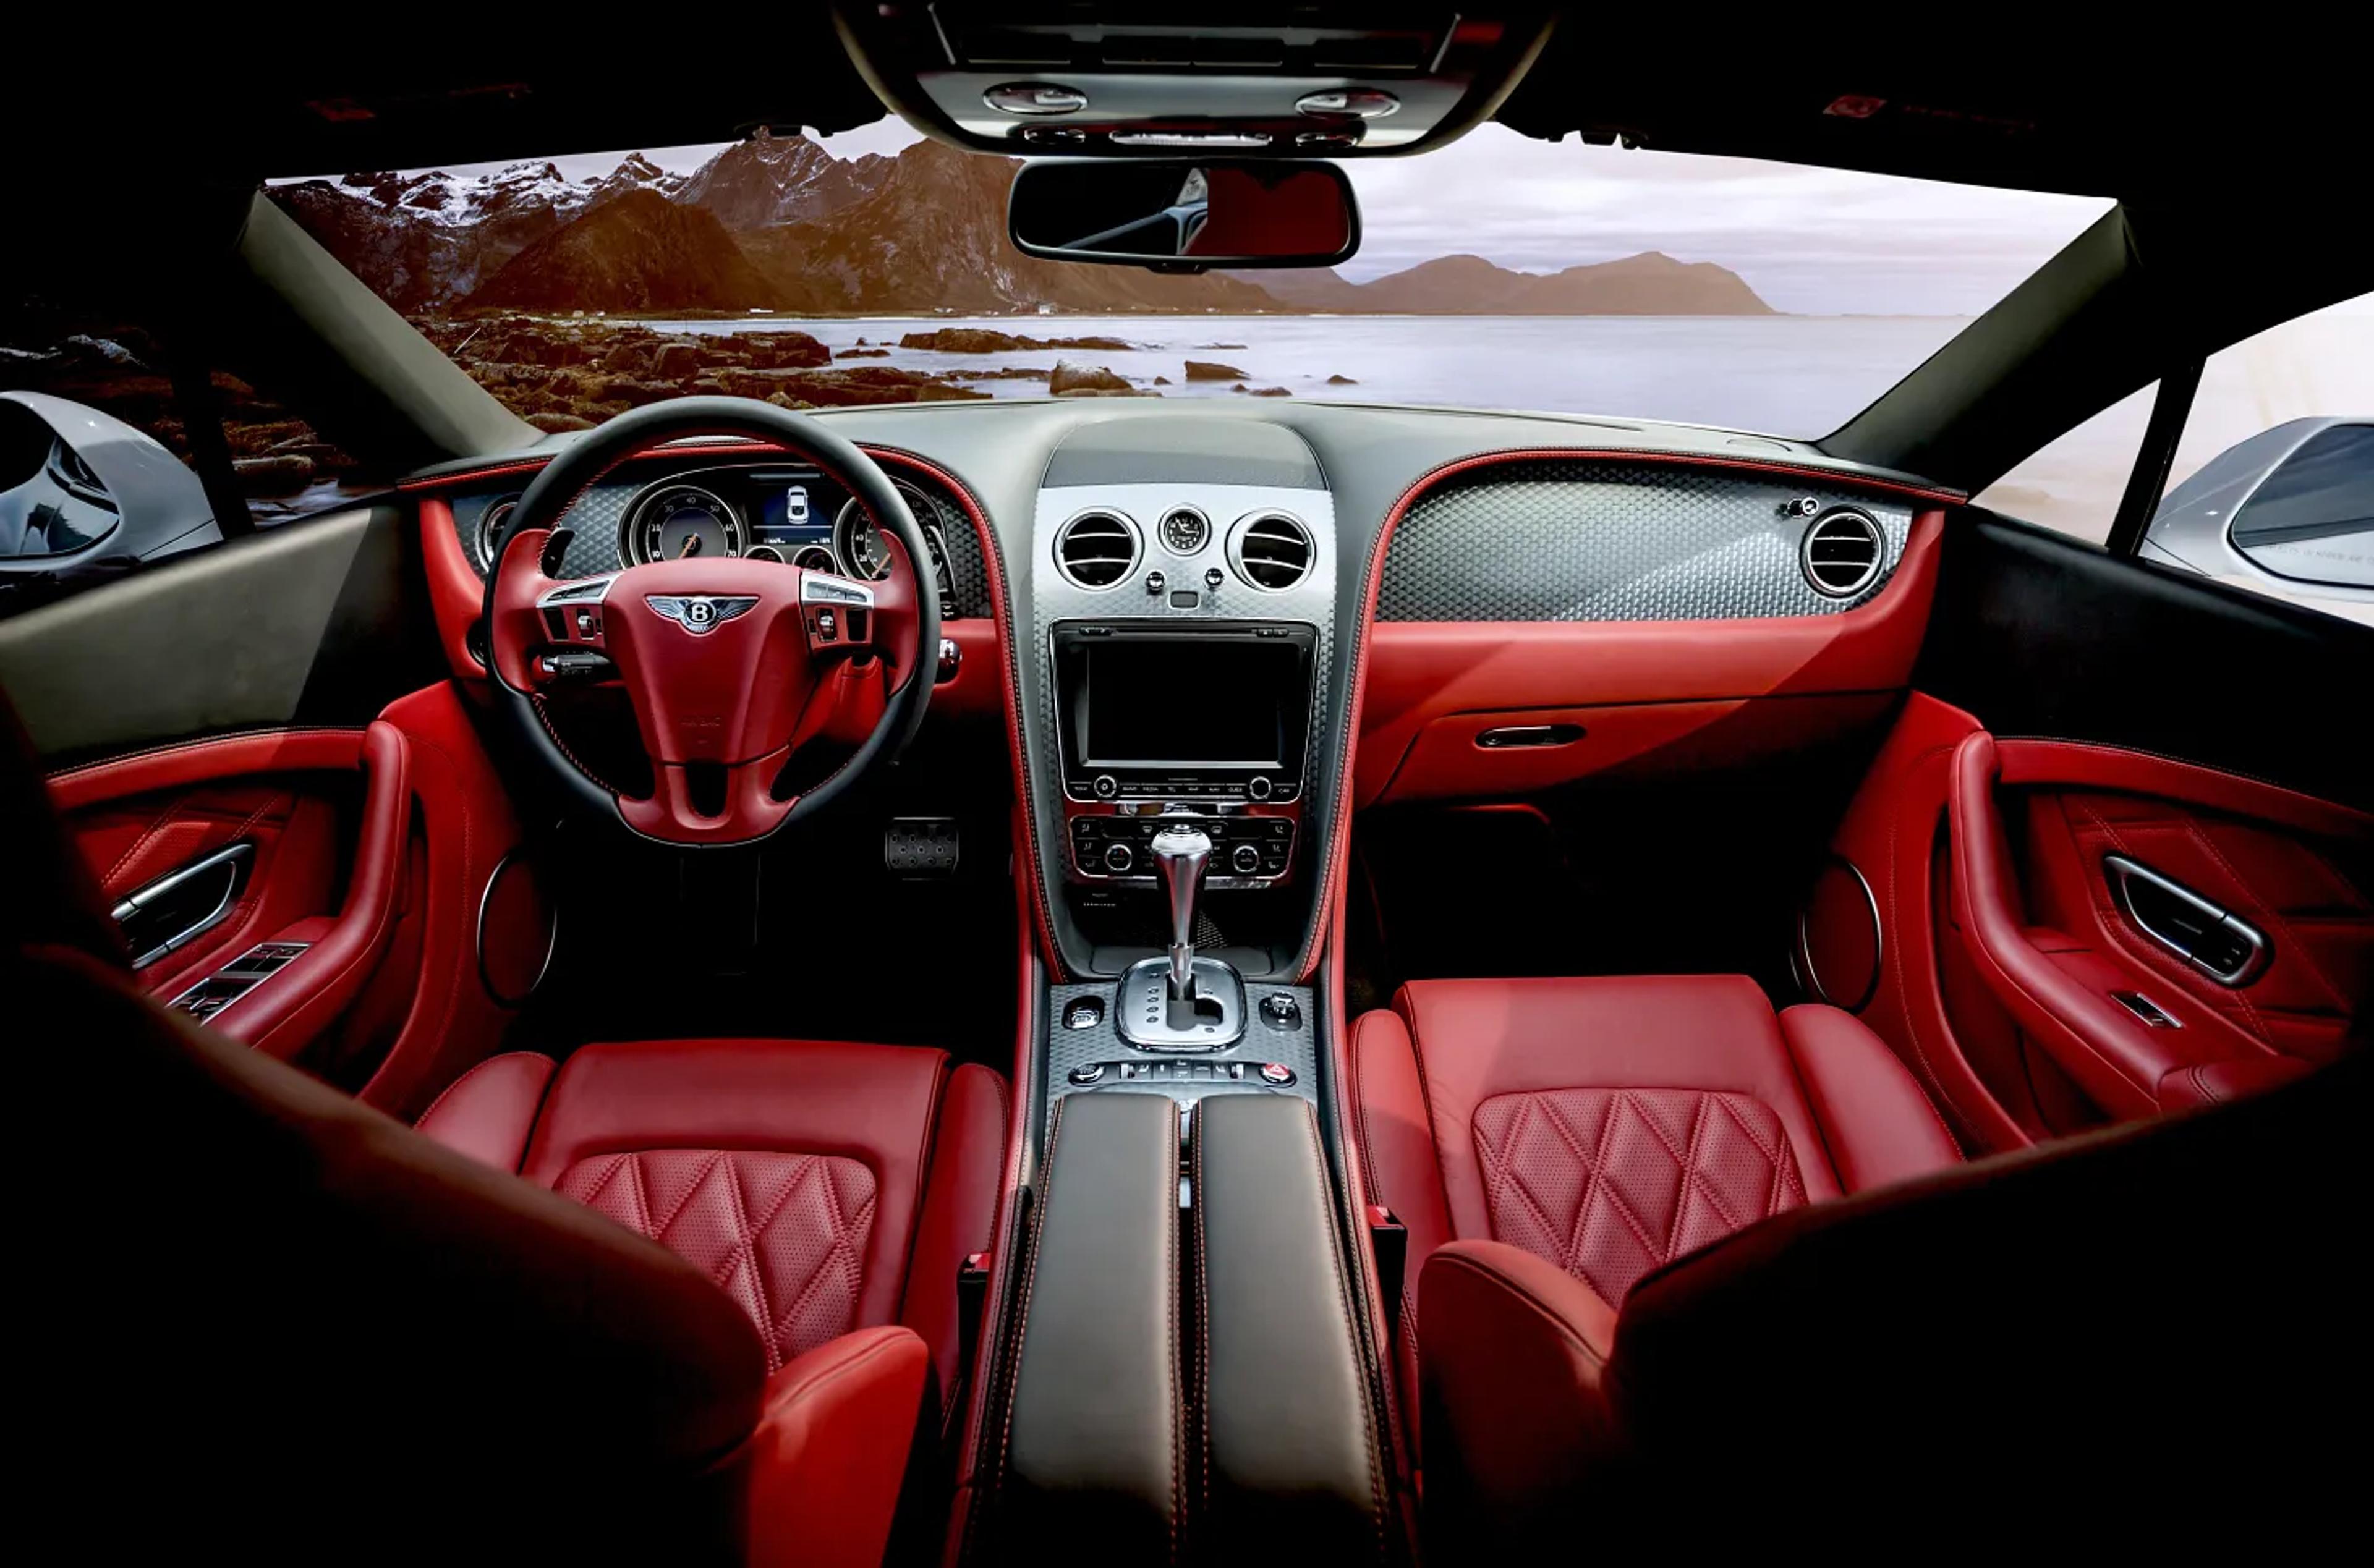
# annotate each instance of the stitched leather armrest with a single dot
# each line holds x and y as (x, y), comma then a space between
(820, 1477)
(1290, 1443)
(1512, 1353)
(1094, 1458)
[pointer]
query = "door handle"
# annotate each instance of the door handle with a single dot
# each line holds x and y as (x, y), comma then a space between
(1511, 735)
(2219, 944)
(181, 905)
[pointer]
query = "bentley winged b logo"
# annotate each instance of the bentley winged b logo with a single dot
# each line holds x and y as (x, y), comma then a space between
(702, 614)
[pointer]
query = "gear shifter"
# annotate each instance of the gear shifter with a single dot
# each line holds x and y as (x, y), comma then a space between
(1182, 1003)
(1183, 853)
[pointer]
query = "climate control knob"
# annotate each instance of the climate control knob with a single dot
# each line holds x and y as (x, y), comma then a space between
(1118, 858)
(1245, 860)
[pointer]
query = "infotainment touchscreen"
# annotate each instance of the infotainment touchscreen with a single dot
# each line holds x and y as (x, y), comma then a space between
(1189, 703)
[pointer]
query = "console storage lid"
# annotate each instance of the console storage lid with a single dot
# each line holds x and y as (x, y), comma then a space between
(1288, 1435)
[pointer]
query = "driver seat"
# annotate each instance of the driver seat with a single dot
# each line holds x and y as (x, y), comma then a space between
(267, 1315)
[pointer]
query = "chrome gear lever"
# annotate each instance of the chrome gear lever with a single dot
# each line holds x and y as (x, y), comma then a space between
(1183, 853)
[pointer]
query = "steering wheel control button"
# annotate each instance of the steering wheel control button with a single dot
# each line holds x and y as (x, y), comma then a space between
(1280, 1010)
(1035, 99)
(1084, 1012)
(1277, 1075)
(1086, 1074)
(1361, 103)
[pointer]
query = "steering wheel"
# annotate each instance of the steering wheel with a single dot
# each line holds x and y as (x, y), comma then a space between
(730, 665)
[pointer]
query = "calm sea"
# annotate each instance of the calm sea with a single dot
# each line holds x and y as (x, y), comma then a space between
(1784, 375)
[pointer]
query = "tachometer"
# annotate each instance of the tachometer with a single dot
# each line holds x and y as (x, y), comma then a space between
(680, 523)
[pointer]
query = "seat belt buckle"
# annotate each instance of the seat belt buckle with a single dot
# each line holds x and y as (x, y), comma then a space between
(972, 1298)
(1389, 1241)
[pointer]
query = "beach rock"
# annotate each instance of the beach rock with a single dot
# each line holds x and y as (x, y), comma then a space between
(1161, 380)
(1110, 391)
(1341, 380)
(787, 351)
(948, 392)
(1068, 377)
(273, 475)
(862, 354)
(966, 340)
(627, 359)
(675, 361)
(1212, 370)
(1272, 391)
(553, 424)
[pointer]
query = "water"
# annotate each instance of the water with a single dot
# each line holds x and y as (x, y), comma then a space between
(1782, 375)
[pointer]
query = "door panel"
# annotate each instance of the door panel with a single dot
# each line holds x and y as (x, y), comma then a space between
(2074, 708)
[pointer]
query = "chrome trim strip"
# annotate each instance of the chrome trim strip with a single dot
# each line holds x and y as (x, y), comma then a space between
(2124, 873)
(171, 880)
(818, 588)
(1878, 946)
(585, 591)
(551, 941)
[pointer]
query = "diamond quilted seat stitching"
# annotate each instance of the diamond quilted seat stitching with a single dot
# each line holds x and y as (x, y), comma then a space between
(1609, 1184)
(782, 1234)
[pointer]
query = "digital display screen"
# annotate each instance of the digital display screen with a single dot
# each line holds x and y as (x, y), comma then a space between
(1189, 703)
(791, 519)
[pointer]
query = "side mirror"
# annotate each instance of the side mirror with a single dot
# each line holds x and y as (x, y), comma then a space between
(1185, 216)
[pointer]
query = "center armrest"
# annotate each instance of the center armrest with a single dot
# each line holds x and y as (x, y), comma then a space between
(1287, 1429)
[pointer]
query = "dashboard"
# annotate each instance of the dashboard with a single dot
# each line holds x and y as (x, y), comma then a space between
(679, 505)
(1264, 618)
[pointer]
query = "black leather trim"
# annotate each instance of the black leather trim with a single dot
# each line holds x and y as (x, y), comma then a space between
(2040, 634)
(1095, 1452)
(1292, 1460)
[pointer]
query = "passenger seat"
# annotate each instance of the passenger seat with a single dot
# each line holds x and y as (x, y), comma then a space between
(1607, 1125)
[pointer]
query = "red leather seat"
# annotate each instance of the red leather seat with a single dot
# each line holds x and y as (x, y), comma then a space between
(826, 1187)
(275, 1317)
(1608, 1125)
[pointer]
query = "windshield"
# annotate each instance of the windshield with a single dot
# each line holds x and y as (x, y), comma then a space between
(1497, 272)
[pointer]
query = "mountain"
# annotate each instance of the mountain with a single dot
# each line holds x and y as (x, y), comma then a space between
(771, 180)
(932, 237)
(1650, 284)
(423, 240)
(639, 252)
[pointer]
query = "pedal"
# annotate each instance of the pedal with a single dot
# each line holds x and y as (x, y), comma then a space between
(920, 848)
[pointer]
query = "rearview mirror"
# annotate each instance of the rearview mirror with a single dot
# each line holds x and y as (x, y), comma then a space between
(1185, 216)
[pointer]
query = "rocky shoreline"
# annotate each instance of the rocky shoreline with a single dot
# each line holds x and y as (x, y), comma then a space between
(573, 373)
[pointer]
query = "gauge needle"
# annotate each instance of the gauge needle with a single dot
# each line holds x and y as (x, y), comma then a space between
(689, 548)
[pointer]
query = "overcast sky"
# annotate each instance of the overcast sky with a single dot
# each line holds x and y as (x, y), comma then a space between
(1814, 240)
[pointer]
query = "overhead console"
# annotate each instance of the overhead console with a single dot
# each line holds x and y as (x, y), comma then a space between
(1117, 80)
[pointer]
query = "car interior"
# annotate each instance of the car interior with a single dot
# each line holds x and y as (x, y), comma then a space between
(1236, 980)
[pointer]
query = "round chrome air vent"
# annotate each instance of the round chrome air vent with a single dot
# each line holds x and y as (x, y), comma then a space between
(1096, 549)
(491, 530)
(1842, 552)
(1271, 550)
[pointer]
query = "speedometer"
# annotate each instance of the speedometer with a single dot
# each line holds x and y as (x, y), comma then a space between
(683, 522)
(857, 543)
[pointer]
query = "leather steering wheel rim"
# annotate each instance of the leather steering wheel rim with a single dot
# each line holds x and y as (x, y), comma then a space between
(585, 461)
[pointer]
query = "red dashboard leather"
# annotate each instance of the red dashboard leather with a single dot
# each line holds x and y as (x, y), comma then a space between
(2057, 987)
(456, 593)
(1607, 1125)
(820, 1477)
(488, 1112)
(1430, 684)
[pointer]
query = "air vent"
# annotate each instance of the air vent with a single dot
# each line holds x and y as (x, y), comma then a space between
(1271, 550)
(1096, 549)
(1842, 552)
(490, 532)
